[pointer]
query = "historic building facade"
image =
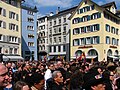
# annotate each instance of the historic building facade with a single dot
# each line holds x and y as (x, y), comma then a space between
(42, 37)
(58, 34)
(29, 32)
(10, 29)
(95, 31)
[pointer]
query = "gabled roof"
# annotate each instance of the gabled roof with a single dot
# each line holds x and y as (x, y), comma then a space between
(80, 5)
(109, 5)
(102, 8)
(63, 12)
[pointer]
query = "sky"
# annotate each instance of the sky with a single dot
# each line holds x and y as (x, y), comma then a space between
(46, 6)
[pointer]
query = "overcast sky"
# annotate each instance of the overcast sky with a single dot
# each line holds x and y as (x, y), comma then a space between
(47, 6)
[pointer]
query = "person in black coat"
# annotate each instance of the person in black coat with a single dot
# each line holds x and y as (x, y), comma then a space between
(56, 82)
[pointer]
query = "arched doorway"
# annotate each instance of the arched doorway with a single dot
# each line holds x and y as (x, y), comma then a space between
(109, 55)
(78, 53)
(92, 55)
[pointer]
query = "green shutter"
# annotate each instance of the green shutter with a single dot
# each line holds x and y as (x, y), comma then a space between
(98, 39)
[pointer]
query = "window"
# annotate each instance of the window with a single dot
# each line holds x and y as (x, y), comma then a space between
(54, 39)
(64, 38)
(64, 48)
(76, 42)
(107, 40)
(88, 40)
(59, 39)
(107, 28)
(50, 40)
(50, 23)
(76, 31)
(59, 21)
(30, 43)
(50, 49)
(30, 28)
(13, 26)
(2, 24)
(11, 50)
(54, 22)
(64, 19)
(76, 20)
(96, 40)
(59, 48)
(82, 41)
(112, 30)
(30, 35)
(15, 51)
(82, 30)
(117, 31)
(113, 41)
(30, 19)
(30, 12)
(54, 48)
(1, 37)
(88, 29)
(55, 30)
(95, 27)
(117, 42)
(59, 29)
(2, 12)
(64, 29)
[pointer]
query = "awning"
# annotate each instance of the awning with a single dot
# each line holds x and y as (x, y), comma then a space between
(12, 58)
(90, 57)
(113, 57)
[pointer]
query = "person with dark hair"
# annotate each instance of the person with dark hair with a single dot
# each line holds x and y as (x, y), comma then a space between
(108, 79)
(3, 76)
(37, 81)
(76, 81)
(20, 85)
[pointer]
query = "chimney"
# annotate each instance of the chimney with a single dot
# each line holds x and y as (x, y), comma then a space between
(58, 9)
(51, 13)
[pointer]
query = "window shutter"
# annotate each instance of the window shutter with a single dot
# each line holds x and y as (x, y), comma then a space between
(17, 17)
(73, 21)
(85, 29)
(73, 31)
(99, 15)
(98, 39)
(91, 17)
(98, 28)
(91, 40)
(19, 40)
(85, 41)
(9, 14)
(16, 27)
(91, 28)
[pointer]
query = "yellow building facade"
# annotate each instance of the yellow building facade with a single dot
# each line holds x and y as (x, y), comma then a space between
(95, 31)
(10, 27)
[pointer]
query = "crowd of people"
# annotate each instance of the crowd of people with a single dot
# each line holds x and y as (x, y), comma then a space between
(59, 75)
